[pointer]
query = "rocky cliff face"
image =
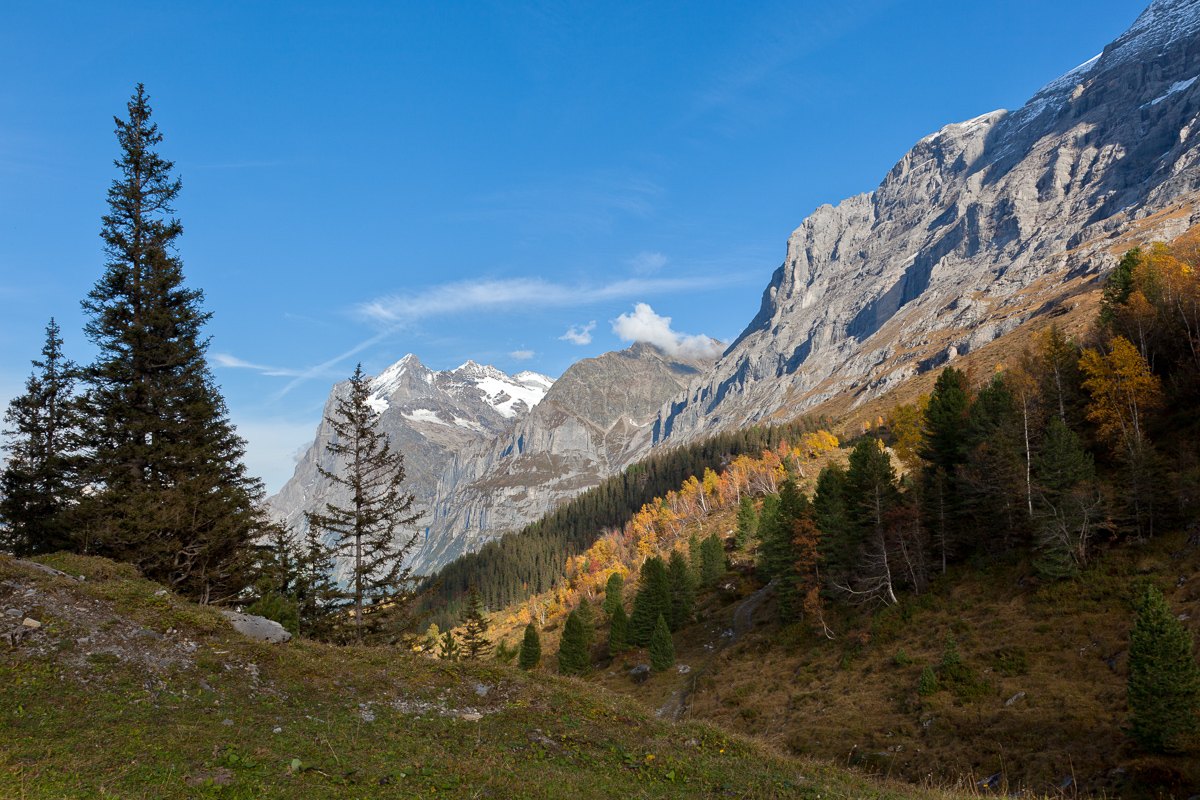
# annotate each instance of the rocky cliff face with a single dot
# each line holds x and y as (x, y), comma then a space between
(969, 235)
(579, 434)
(428, 416)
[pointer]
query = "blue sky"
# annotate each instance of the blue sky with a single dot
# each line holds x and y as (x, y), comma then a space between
(475, 180)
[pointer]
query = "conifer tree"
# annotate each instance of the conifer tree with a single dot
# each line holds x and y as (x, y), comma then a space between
(505, 654)
(449, 648)
(618, 632)
(775, 550)
(531, 649)
(1164, 681)
(871, 485)
(653, 599)
(39, 487)
(747, 523)
(1069, 510)
(1124, 391)
(613, 593)
(944, 442)
(367, 531)
(683, 590)
(712, 551)
(169, 492)
(475, 626)
(662, 649)
(277, 585)
(588, 619)
(573, 656)
(992, 480)
(1118, 286)
(839, 540)
(944, 446)
(695, 556)
(317, 594)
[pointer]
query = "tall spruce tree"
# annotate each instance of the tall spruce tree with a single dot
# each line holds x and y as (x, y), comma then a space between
(1164, 681)
(840, 540)
(653, 599)
(613, 593)
(712, 559)
(587, 616)
(366, 531)
(168, 490)
(683, 590)
(1070, 507)
(618, 632)
(944, 447)
(662, 648)
(573, 658)
(39, 487)
(747, 522)
(778, 552)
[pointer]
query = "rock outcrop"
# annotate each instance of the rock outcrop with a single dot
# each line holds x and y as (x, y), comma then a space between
(969, 235)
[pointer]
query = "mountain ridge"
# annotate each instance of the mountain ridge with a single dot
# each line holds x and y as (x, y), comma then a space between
(934, 262)
(427, 414)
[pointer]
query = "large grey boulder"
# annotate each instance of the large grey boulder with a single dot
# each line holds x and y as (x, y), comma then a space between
(260, 628)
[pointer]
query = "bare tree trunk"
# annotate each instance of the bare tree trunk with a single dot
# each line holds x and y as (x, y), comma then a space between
(1028, 457)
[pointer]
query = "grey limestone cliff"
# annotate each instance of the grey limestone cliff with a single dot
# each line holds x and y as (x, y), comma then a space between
(968, 234)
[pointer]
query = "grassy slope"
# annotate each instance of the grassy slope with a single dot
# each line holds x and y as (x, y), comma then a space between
(849, 701)
(129, 714)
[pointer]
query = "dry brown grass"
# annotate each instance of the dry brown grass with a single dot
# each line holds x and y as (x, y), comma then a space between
(849, 700)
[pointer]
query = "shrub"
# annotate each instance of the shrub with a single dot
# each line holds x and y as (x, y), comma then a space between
(280, 609)
(505, 654)
(531, 649)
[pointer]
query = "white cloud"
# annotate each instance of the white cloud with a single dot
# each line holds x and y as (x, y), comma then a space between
(643, 325)
(648, 263)
(579, 334)
(227, 360)
(522, 355)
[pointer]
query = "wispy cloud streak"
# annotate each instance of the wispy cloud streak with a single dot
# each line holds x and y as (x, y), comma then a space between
(227, 360)
(516, 295)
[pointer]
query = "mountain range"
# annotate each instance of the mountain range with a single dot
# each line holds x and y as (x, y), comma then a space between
(980, 228)
(486, 453)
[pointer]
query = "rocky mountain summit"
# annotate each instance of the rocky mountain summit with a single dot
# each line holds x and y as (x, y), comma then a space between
(487, 453)
(580, 434)
(428, 416)
(976, 230)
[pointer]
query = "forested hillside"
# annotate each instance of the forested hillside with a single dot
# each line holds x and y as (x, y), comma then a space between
(1050, 487)
(531, 561)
